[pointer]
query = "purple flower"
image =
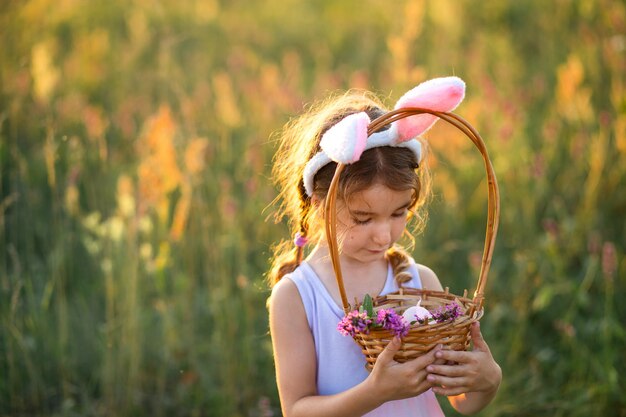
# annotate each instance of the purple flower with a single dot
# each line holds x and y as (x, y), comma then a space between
(353, 323)
(390, 320)
(448, 312)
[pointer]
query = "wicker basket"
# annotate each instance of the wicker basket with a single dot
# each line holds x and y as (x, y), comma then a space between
(453, 334)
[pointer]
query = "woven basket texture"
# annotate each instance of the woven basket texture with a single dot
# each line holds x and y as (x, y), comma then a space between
(453, 334)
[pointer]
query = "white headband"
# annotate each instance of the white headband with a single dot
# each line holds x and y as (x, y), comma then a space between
(345, 141)
(383, 138)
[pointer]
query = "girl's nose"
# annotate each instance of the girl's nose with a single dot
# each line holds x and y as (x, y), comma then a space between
(382, 234)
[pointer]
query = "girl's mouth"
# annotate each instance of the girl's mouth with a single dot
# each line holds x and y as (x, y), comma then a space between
(377, 251)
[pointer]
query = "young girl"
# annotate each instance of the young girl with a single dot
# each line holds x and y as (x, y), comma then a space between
(319, 371)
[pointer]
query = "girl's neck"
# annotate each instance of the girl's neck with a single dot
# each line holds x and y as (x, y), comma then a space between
(321, 255)
(359, 278)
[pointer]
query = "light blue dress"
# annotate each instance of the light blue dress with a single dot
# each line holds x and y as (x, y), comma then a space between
(340, 363)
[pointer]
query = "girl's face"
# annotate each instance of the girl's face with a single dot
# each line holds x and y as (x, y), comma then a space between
(372, 222)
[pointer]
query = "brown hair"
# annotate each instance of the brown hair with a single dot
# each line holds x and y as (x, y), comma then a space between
(394, 167)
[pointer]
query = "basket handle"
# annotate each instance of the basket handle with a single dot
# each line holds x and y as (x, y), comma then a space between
(493, 198)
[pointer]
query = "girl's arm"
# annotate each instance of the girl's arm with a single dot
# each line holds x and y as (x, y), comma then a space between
(295, 359)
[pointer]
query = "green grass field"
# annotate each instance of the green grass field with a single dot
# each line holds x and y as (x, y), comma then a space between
(136, 140)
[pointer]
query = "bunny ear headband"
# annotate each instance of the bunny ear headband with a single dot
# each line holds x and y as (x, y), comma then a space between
(347, 140)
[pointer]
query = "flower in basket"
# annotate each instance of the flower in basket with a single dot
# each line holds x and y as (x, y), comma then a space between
(364, 319)
(418, 314)
(447, 312)
(354, 322)
(390, 320)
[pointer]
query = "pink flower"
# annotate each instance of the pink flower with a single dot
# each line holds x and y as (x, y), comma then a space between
(390, 320)
(356, 322)
(353, 323)
(448, 312)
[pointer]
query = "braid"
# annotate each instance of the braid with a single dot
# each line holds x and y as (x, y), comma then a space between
(305, 205)
(399, 261)
(287, 255)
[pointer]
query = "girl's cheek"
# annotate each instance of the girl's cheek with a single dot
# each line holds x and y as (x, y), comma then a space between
(400, 223)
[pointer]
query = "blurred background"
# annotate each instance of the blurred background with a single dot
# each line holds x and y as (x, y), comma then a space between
(136, 140)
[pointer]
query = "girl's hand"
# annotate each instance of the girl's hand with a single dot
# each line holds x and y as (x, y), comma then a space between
(393, 381)
(463, 372)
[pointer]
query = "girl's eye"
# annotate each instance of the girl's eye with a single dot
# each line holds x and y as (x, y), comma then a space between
(360, 221)
(399, 214)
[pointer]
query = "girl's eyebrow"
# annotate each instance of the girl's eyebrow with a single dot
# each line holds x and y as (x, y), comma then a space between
(369, 213)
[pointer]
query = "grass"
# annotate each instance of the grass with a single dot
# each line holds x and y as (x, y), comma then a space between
(135, 151)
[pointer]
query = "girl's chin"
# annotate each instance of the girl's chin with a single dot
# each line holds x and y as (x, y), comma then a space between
(372, 255)
(365, 256)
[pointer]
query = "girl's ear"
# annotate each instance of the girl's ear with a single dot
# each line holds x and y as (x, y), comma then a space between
(316, 202)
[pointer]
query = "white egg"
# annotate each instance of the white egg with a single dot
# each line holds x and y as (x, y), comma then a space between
(411, 313)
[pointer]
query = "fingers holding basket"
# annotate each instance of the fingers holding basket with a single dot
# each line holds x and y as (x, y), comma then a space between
(386, 356)
(463, 371)
(396, 380)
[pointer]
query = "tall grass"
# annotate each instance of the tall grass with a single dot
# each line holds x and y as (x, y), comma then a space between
(135, 219)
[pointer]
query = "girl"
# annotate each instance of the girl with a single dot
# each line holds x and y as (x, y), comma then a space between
(320, 372)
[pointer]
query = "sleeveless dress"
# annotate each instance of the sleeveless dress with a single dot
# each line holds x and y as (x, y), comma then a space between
(340, 363)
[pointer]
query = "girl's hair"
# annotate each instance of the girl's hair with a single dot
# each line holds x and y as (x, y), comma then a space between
(394, 167)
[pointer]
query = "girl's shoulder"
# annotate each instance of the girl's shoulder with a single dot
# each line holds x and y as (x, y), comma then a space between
(304, 293)
(303, 275)
(283, 289)
(285, 298)
(427, 276)
(293, 284)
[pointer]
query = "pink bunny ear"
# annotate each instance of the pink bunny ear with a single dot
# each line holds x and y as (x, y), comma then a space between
(345, 141)
(439, 94)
